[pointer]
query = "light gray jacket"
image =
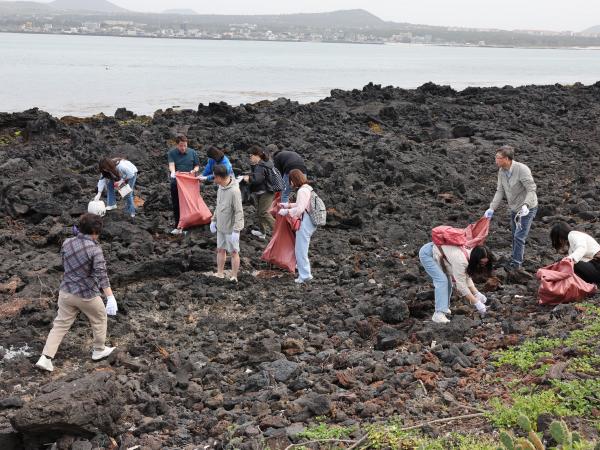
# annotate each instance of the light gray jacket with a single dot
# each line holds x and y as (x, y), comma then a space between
(229, 215)
(519, 189)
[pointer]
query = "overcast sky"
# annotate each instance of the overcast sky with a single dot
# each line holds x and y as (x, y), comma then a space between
(573, 15)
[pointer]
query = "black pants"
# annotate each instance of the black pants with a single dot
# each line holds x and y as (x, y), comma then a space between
(175, 200)
(589, 271)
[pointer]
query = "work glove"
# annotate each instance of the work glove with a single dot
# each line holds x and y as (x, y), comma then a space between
(283, 212)
(481, 298)
(202, 178)
(283, 205)
(489, 213)
(524, 211)
(97, 197)
(111, 306)
(213, 227)
(235, 238)
(173, 175)
(568, 258)
(480, 307)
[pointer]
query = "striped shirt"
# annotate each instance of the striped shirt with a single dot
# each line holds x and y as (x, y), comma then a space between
(85, 268)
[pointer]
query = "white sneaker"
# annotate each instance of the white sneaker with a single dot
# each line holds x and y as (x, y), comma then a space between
(176, 231)
(97, 355)
(439, 317)
(233, 279)
(302, 280)
(258, 234)
(44, 363)
(219, 275)
(447, 311)
(110, 208)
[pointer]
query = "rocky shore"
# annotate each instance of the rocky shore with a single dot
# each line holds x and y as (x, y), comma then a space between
(203, 363)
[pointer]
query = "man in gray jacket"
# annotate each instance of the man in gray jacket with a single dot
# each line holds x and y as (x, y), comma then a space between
(227, 221)
(515, 182)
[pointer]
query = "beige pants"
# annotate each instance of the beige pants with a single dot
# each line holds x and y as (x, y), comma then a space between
(265, 219)
(69, 306)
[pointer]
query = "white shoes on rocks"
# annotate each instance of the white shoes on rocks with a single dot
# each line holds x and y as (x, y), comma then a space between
(439, 317)
(97, 355)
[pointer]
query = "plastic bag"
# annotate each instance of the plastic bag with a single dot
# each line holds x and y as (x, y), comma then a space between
(560, 284)
(274, 209)
(192, 209)
(281, 250)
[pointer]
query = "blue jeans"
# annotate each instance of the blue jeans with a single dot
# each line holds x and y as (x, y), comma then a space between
(303, 236)
(442, 284)
(287, 189)
(519, 237)
(111, 197)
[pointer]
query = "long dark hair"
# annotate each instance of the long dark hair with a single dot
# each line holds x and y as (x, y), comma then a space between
(108, 169)
(475, 268)
(559, 235)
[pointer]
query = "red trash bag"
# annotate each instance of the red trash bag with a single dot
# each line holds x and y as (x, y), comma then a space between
(274, 209)
(476, 233)
(560, 284)
(472, 236)
(192, 209)
(281, 249)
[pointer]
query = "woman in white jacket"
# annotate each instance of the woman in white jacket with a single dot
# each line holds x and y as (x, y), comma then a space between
(113, 172)
(581, 248)
(300, 210)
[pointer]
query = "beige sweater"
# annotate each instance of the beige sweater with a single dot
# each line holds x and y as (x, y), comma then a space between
(519, 189)
(455, 264)
(229, 215)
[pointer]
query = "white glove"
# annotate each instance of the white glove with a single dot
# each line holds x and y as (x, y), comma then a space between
(173, 175)
(480, 307)
(235, 238)
(524, 211)
(202, 178)
(489, 213)
(111, 306)
(481, 298)
(213, 227)
(97, 197)
(283, 205)
(283, 212)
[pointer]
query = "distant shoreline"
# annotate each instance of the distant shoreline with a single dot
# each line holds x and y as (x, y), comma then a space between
(307, 41)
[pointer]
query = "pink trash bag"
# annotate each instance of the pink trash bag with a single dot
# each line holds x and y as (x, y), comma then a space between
(192, 209)
(560, 284)
(281, 250)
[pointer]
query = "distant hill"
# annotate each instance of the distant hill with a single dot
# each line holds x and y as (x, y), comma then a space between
(103, 6)
(18, 8)
(183, 12)
(595, 29)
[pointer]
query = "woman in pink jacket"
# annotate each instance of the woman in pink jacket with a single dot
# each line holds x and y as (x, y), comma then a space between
(300, 210)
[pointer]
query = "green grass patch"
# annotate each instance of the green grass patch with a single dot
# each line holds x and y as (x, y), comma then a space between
(326, 431)
(525, 356)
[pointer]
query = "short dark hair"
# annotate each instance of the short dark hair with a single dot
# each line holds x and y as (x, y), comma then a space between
(220, 171)
(90, 224)
(559, 234)
(257, 151)
(507, 152)
(474, 267)
(214, 153)
(180, 138)
(297, 178)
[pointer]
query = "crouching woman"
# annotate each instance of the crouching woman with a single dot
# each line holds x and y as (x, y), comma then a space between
(85, 276)
(581, 248)
(456, 264)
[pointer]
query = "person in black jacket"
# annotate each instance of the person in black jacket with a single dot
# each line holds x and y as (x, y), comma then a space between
(260, 186)
(285, 161)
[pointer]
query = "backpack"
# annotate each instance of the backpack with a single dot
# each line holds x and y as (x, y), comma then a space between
(274, 179)
(446, 235)
(317, 211)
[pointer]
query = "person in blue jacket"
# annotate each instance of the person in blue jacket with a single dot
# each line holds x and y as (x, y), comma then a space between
(215, 157)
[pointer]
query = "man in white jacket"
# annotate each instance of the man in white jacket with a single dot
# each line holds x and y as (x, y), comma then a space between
(516, 183)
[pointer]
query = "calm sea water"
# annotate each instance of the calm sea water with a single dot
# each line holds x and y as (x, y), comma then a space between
(84, 75)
